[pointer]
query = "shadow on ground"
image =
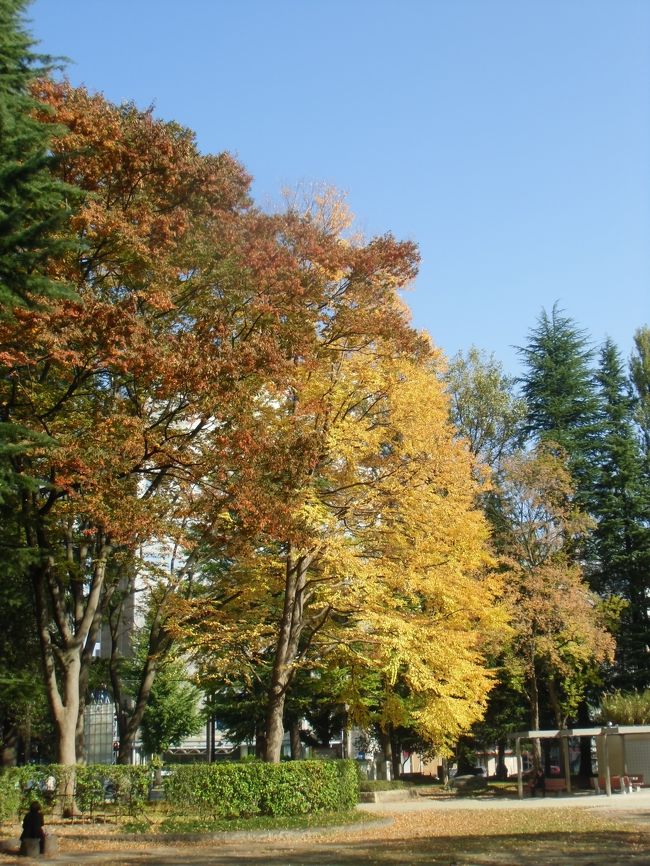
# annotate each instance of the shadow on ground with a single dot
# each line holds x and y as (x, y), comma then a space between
(558, 849)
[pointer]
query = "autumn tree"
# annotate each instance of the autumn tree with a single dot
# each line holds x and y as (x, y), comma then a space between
(560, 633)
(372, 553)
(434, 617)
(119, 385)
(248, 384)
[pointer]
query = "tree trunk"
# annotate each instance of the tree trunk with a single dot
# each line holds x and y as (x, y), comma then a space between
(286, 651)
(502, 769)
(555, 703)
(130, 712)
(65, 719)
(296, 744)
(260, 744)
(386, 747)
(534, 707)
(584, 721)
(62, 636)
(129, 720)
(27, 739)
(347, 737)
(9, 750)
(396, 751)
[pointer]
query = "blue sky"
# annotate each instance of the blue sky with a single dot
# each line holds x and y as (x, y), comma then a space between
(509, 138)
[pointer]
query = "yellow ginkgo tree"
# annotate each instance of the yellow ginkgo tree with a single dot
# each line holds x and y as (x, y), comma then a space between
(370, 552)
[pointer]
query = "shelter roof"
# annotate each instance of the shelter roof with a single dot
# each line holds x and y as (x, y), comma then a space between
(605, 730)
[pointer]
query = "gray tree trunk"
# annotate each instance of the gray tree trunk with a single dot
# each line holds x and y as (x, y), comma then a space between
(286, 650)
(296, 744)
(64, 620)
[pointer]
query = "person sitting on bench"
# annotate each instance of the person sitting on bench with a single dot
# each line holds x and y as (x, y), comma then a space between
(538, 783)
(33, 824)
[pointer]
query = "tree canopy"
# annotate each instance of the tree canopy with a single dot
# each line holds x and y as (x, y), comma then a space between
(220, 433)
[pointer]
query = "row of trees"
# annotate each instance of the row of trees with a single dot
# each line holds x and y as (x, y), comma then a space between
(226, 415)
(570, 511)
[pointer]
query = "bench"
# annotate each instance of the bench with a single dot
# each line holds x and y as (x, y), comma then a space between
(624, 784)
(554, 785)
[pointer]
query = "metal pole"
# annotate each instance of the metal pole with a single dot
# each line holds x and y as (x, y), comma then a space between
(567, 765)
(520, 781)
(208, 738)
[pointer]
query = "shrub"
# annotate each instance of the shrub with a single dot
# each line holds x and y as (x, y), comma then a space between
(30, 783)
(248, 789)
(626, 708)
(97, 784)
(127, 787)
(9, 796)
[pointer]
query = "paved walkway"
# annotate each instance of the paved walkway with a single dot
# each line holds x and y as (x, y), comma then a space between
(639, 802)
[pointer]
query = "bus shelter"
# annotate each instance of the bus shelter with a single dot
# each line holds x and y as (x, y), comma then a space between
(604, 736)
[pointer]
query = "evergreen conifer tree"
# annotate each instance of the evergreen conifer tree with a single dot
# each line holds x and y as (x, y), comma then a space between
(34, 211)
(640, 375)
(620, 503)
(560, 392)
(34, 205)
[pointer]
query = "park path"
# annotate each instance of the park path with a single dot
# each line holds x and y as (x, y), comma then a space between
(432, 831)
(637, 803)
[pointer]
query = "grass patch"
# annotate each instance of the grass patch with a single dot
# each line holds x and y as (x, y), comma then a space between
(182, 824)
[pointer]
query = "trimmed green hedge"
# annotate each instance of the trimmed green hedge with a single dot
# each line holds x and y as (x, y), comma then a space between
(200, 790)
(125, 786)
(248, 789)
(96, 785)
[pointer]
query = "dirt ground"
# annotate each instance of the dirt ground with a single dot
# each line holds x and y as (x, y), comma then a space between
(551, 832)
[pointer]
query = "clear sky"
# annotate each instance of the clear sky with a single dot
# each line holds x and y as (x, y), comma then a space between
(509, 138)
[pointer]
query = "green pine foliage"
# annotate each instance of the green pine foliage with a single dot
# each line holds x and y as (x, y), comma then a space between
(620, 502)
(23, 702)
(640, 375)
(34, 212)
(34, 206)
(559, 389)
